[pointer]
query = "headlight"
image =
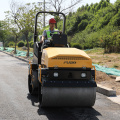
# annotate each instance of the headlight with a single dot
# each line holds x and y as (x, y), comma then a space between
(55, 74)
(83, 75)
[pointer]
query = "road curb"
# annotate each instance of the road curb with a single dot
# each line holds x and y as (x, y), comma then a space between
(20, 58)
(101, 89)
(105, 91)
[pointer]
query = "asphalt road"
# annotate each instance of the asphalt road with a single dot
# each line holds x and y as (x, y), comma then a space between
(17, 104)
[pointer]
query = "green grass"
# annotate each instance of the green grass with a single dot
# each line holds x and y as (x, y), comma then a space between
(96, 50)
(20, 48)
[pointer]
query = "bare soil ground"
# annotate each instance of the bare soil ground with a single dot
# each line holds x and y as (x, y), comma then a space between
(109, 60)
(108, 81)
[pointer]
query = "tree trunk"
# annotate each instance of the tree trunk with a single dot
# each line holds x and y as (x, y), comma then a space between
(27, 45)
(3, 45)
(15, 45)
(56, 25)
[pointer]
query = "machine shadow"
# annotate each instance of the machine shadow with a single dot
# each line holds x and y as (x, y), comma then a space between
(69, 113)
(65, 113)
(33, 99)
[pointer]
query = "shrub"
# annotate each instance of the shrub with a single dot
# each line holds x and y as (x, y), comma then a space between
(6, 44)
(25, 44)
(20, 44)
(31, 44)
(11, 44)
(76, 45)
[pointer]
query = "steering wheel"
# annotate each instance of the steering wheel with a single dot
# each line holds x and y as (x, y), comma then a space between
(47, 42)
(60, 32)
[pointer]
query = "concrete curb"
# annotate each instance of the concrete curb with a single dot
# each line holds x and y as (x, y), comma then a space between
(105, 91)
(20, 58)
(101, 89)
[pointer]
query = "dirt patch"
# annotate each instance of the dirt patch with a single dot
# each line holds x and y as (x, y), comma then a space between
(111, 60)
(108, 81)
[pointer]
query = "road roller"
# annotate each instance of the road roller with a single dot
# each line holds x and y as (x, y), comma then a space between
(61, 76)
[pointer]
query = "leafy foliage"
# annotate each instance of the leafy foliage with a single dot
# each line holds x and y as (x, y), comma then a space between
(11, 44)
(20, 43)
(76, 45)
(95, 25)
(22, 17)
(31, 44)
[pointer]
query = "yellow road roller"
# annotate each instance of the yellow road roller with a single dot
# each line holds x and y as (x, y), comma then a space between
(60, 75)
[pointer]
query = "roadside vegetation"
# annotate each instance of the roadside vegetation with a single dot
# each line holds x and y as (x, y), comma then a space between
(95, 25)
(91, 26)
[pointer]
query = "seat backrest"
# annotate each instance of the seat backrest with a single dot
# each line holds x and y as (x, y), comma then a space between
(59, 40)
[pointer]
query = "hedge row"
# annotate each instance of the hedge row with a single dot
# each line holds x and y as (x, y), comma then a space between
(22, 43)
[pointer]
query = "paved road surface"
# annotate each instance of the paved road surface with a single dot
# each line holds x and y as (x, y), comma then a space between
(17, 104)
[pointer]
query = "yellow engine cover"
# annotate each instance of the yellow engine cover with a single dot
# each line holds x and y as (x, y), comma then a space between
(65, 58)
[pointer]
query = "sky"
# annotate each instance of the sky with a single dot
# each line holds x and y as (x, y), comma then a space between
(5, 4)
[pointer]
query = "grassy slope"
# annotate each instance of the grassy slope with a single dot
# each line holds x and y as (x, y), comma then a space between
(91, 23)
(98, 56)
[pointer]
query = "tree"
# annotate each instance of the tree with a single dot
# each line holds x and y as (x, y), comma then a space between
(82, 25)
(3, 32)
(59, 6)
(13, 27)
(16, 34)
(117, 5)
(108, 1)
(23, 17)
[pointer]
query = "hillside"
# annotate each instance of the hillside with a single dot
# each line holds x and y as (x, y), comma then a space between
(95, 25)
